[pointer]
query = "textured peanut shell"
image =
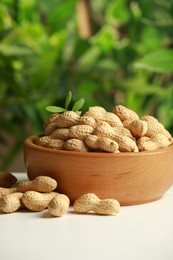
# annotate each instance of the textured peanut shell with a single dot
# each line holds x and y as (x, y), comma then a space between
(91, 202)
(85, 203)
(80, 131)
(108, 145)
(87, 120)
(40, 184)
(75, 145)
(156, 142)
(60, 133)
(91, 141)
(138, 128)
(112, 119)
(11, 202)
(59, 205)
(67, 119)
(36, 201)
(124, 113)
(50, 128)
(5, 191)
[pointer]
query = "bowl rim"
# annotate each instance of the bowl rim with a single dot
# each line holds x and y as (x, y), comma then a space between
(29, 142)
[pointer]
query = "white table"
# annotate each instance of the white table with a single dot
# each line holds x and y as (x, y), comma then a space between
(142, 232)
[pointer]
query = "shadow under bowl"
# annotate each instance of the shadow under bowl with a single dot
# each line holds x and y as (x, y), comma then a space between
(131, 178)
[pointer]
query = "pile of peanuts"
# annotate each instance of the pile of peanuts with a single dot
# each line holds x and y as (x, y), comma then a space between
(100, 131)
(40, 194)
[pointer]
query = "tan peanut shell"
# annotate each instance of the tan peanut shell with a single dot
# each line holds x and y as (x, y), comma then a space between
(80, 131)
(123, 131)
(50, 128)
(60, 133)
(75, 145)
(11, 202)
(67, 119)
(87, 120)
(44, 141)
(126, 144)
(156, 142)
(112, 119)
(52, 119)
(97, 109)
(7, 180)
(5, 191)
(40, 184)
(91, 202)
(59, 205)
(138, 128)
(124, 113)
(108, 145)
(92, 141)
(36, 201)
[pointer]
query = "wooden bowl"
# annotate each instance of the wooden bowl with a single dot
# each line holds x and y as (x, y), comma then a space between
(131, 178)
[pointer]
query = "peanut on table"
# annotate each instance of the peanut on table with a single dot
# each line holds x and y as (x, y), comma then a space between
(39, 194)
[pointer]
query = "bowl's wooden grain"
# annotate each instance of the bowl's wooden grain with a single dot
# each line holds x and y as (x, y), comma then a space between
(131, 178)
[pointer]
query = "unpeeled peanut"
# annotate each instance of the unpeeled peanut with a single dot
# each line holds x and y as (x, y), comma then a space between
(156, 142)
(80, 131)
(138, 127)
(5, 191)
(126, 144)
(36, 201)
(40, 184)
(101, 143)
(125, 113)
(76, 145)
(91, 202)
(10, 202)
(59, 205)
(67, 119)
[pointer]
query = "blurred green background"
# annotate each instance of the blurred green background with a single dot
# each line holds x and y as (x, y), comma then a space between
(107, 51)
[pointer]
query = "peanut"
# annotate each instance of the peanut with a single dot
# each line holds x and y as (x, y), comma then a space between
(50, 128)
(48, 142)
(7, 180)
(5, 191)
(61, 133)
(67, 119)
(91, 202)
(101, 143)
(156, 142)
(92, 141)
(43, 141)
(121, 130)
(75, 145)
(124, 113)
(80, 131)
(36, 201)
(11, 202)
(87, 120)
(97, 109)
(138, 128)
(52, 119)
(112, 119)
(126, 144)
(40, 184)
(59, 205)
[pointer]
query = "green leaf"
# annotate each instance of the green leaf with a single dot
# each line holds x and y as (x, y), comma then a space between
(159, 61)
(14, 50)
(78, 104)
(68, 99)
(54, 109)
